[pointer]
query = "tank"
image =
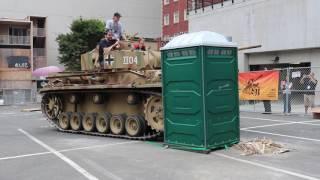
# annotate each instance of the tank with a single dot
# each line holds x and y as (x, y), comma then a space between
(119, 98)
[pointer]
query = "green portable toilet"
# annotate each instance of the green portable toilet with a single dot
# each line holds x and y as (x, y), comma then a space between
(200, 90)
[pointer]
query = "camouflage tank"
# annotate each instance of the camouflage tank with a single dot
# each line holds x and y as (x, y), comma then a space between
(122, 99)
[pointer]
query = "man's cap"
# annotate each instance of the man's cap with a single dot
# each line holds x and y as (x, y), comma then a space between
(117, 14)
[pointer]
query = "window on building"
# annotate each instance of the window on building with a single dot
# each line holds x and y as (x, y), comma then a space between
(18, 31)
(175, 0)
(166, 2)
(19, 35)
(176, 17)
(185, 15)
(166, 20)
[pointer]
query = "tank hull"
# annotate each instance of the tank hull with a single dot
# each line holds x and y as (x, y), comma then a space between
(126, 104)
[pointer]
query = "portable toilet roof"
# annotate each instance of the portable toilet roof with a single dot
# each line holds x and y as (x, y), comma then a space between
(202, 38)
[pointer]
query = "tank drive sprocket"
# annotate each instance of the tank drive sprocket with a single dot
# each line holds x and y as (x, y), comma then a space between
(153, 111)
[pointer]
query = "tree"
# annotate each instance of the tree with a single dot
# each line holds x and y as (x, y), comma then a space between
(83, 37)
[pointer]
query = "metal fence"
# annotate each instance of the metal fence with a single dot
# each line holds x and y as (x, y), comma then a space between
(194, 5)
(39, 32)
(17, 96)
(297, 90)
(14, 40)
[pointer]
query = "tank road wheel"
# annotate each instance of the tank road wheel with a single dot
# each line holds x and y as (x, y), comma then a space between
(88, 123)
(117, 124)
(51, 106)
(64, 121)
(135, 125)
(103, 122)
(153, 113)
(75, 121)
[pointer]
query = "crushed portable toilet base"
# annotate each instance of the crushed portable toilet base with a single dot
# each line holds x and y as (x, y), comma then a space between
(200, 90)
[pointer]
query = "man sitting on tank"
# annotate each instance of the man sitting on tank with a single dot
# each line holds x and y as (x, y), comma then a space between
(115, 26)
(139, 45)
(106, 45)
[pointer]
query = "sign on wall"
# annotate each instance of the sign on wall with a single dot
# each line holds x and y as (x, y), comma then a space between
(18, 62)
(259, 85)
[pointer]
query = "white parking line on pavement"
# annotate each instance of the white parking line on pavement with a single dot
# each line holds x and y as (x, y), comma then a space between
(67, 150)
(6, 113)
(97, 146)
(283, 135)
(16, 114)
(302, 176)
(263, 119)
(280, 124)
(24, 155)
(268, 125)
(285, 121)
(61, 156)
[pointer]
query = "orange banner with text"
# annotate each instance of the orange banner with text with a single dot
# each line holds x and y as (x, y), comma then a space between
(259, 85)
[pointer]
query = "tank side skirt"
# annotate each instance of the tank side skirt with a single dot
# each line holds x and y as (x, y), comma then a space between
(142, 91)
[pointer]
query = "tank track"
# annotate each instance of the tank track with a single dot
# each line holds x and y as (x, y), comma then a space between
(151, 136)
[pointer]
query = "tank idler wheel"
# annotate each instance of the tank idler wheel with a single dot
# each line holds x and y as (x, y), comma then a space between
(135, 125)
(117, 124)
(88, 122)
(103, 122)
(75, 121)
(64, 121)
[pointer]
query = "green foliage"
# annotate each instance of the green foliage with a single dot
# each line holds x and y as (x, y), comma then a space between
(84, 35)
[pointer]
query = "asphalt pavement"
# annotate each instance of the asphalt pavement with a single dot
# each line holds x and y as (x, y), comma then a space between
(30, 149)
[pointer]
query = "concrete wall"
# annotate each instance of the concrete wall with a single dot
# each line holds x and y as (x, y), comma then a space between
(143, 16)
(293, 57)
(277, 25)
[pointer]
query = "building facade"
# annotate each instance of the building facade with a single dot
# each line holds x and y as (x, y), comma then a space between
(174, 18)
(29, 28)
(287, 30)
(143, 17)
(16, 61)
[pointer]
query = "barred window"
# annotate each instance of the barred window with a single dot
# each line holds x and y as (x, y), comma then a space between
(166, 20)
(185, 15)
(176, 17)
(166, 2)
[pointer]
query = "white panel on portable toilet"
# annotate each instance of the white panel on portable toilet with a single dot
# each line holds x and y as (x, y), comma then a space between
(202, 38)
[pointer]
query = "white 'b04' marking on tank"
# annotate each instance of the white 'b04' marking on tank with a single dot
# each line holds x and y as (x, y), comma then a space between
(130, 60)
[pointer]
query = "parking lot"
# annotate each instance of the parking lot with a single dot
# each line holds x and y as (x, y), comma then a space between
(31, 149)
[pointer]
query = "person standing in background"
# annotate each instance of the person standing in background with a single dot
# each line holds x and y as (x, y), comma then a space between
(267, 103)
(286, 90)
(309, 83)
